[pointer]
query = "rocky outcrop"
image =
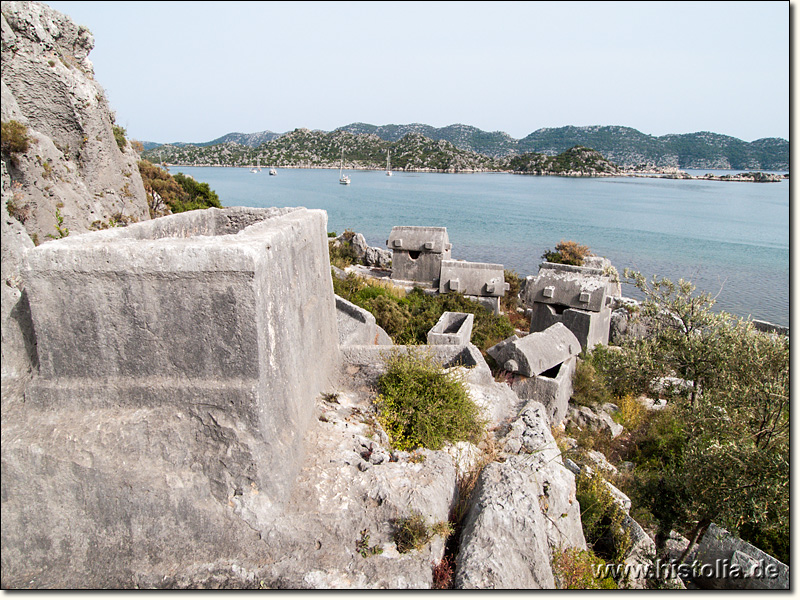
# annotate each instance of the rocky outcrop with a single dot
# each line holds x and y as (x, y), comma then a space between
(74, 173)
(18, 354)
(524, 509)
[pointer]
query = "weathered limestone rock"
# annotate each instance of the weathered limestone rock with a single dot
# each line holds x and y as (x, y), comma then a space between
(537, 352)
(179, 360)
(763, 571)
(642, 550)
(378, 257)
(585, 417)
(73, 168)
(553, 389)
(18, 351)
(418, 252)
(452, 328)
(524, 509)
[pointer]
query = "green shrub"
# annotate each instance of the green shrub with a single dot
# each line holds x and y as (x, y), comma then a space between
(14, 138)
(588, 388)
(342, 255)
(407, 318)
(420, 405)
(602, 518)
(629, 370)
(574, 569)
(200, 195)
(119, 136)
(567, 253)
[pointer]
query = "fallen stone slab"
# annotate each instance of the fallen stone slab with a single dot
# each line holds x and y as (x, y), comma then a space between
(537, 352)
(357, 327)
(763, 572)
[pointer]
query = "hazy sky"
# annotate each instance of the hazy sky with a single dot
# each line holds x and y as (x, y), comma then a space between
(194, 71)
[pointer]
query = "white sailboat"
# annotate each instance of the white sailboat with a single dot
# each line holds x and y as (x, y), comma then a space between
(272, 171)
(343, 179)
(257, 168)
(388, 165)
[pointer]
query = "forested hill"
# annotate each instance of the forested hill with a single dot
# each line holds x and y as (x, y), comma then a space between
(412, 152)
(627, 146)
(624, 146)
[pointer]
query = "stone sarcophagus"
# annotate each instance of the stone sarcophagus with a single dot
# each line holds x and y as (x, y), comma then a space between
(418, 252)
(578, 297)
(179, 360)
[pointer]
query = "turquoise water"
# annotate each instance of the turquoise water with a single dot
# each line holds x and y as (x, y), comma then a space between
(728, 238)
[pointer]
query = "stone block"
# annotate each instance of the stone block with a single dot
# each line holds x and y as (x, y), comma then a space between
(552, 389)
(422, 267)
(536, 352)
(490, 303)
(357, 327)
(452, 328)
(472, 279)
(231, 309)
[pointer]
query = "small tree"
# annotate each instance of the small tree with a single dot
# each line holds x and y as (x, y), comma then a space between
(728, 462)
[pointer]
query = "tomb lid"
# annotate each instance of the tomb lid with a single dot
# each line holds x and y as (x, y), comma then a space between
(419, 239)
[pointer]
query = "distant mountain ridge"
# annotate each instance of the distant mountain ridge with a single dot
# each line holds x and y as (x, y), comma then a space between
(624, 146)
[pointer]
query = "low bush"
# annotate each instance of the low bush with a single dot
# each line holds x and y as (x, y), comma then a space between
(588, 388)
(602, 518)
(567, 253)
(575, 569)
(420, 405)
(14, 138)
(119, 136)
(629, 370)
(342, 254)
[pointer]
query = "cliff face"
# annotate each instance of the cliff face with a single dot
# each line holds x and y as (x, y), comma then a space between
(72, 173)
(73, 167)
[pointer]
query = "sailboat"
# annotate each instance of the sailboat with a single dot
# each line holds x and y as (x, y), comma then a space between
(272, 171)
(343, 179)
(388, 165)
(257, 168)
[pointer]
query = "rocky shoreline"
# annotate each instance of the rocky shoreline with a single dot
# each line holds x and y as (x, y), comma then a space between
(665, 173)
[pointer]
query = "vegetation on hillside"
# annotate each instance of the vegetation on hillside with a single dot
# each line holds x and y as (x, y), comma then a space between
(577, 159)
(720, 450)
(14, 138)
(168, 194)
(619, 145)
(407, 317)
(305, 148)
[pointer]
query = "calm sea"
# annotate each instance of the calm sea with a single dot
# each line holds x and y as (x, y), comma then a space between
(728, 238)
